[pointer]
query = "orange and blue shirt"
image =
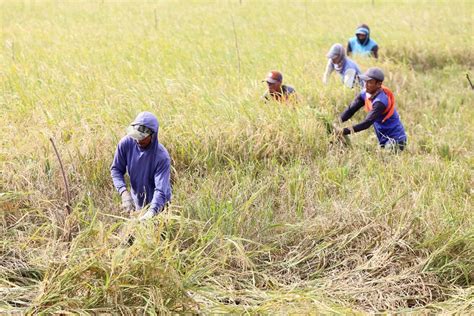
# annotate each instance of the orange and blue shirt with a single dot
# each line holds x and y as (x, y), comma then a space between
(382, 114)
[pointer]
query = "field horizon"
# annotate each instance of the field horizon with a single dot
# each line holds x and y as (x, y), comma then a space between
(269, 213)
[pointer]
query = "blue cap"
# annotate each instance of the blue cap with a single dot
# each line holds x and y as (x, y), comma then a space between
(362, 30)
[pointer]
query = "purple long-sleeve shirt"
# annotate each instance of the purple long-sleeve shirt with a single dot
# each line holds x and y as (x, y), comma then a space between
(149, 168)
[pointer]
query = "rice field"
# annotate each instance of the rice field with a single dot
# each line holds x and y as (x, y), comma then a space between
(269, 214)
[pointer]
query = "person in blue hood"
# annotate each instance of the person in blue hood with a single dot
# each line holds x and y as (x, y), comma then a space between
(148, 165)
(362, 44)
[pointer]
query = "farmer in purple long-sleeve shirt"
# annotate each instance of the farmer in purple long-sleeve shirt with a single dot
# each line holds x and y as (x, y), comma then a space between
(148, 165)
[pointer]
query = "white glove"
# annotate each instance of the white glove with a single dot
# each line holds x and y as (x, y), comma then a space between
(149, 214)
(325, 79)
(127, 201)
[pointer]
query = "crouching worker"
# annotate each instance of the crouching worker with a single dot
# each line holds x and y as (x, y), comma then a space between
(277, 90)
(343, 65)
(148, 165)
(379, 102)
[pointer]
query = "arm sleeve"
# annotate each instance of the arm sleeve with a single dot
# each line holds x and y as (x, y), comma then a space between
(118, 168)
(377, 109)
(356, 104)
(375, 51)
(329, 70)
(349, 48)
(162, 186)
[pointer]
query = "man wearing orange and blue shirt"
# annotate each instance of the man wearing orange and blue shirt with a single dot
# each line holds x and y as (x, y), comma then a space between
(379, 102)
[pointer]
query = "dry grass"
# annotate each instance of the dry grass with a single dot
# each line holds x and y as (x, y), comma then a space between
(267, 215)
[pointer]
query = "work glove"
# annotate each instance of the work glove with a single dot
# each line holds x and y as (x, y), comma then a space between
(127, 202)
(150, 213)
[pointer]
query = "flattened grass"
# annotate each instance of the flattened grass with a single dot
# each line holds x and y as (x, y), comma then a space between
(267, 215)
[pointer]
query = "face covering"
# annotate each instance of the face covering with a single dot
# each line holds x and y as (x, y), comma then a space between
(365, 40)
(138, 132)
(339, 66)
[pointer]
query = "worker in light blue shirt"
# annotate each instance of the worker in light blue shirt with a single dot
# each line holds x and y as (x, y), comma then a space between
(147, 163)
(361, 44)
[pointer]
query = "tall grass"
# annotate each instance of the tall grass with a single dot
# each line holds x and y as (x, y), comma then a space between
(267, 215)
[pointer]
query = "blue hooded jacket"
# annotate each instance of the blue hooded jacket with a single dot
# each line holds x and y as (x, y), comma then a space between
(365, 48)
(148, 168)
